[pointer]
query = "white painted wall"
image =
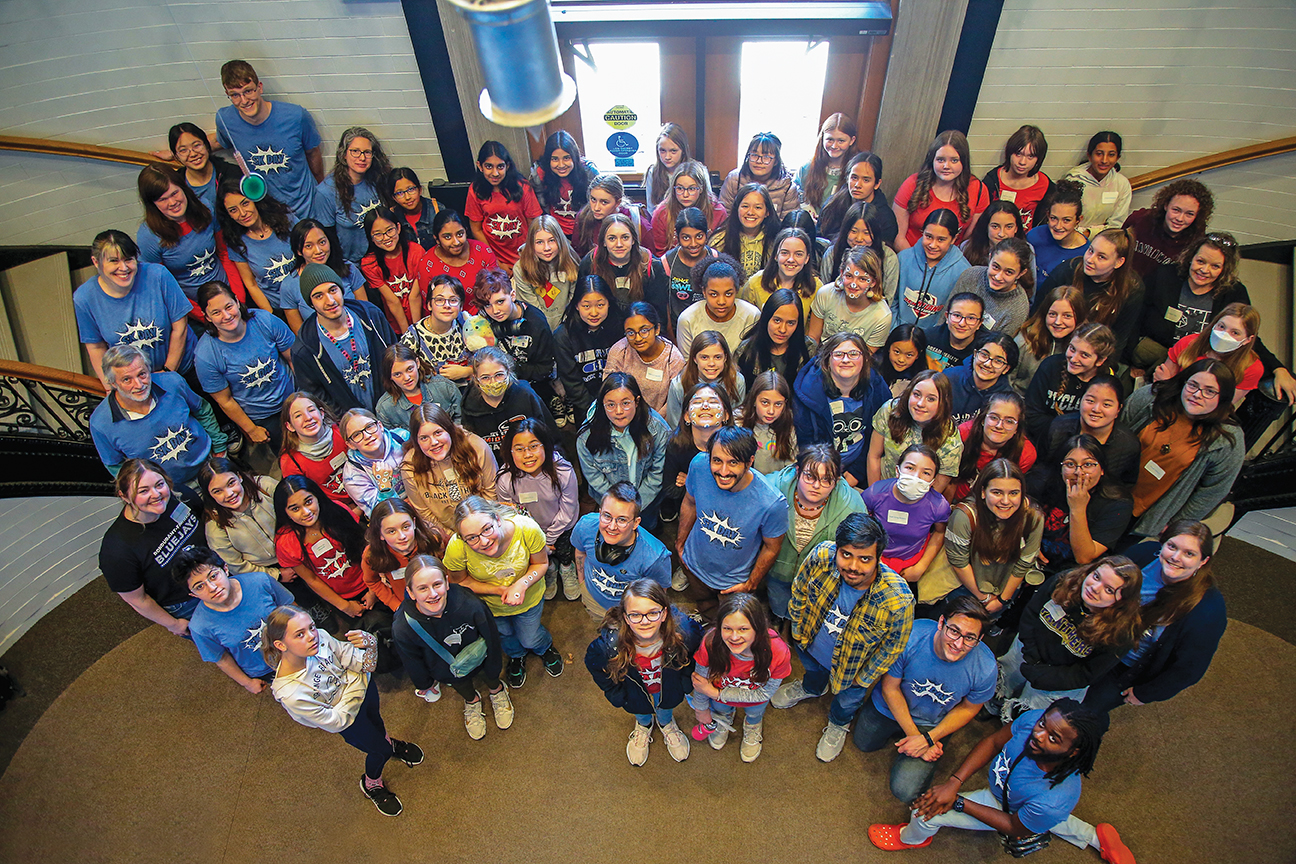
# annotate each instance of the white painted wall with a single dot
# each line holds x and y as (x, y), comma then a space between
(120, 72)
(1178, 79)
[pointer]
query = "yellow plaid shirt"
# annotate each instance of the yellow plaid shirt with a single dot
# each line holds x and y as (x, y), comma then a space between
(877, 630)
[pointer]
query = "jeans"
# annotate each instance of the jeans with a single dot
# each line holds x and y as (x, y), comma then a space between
(1106, 693)
(665, 716)
(368, 734)
(779, 594)
(467, 685)
(910, 777)
(1075, 831)
(753, 712)
(184, 609)
(523, 632)
(1013, 686)
(845, 704)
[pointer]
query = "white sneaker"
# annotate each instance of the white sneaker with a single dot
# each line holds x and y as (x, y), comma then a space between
(637, 747)
(718, 738)
(831, 742)
(679, 581)
(475, 720)
(502, 708)
(571, 584)
(790, 694)
(677, 743)
(551, 584)
(751, 742)
(431, 694)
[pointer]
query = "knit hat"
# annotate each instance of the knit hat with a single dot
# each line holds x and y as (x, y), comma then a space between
(315, 275)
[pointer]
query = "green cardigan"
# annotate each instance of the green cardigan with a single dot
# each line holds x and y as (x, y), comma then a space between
(841, 503)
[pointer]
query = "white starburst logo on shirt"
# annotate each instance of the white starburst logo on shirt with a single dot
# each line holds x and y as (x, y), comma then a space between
(268, 159)
(277, 269)
(505, 227)
(202, 264)
(258, 373)
(141, 334)
(719, 530)
(171, 445)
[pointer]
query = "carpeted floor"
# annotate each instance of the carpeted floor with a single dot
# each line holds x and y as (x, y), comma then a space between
(151, 756)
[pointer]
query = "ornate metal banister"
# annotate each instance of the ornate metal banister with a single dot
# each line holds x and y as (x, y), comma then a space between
(36, 401)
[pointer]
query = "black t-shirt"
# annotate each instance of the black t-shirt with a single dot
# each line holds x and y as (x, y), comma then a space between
(940, 350)
(1108, 519)
(1121, 452)
(132, 555)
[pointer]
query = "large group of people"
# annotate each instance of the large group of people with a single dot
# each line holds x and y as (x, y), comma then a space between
(885, 430)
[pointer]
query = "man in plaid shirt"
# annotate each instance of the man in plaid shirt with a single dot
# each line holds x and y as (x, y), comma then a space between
(851, 616)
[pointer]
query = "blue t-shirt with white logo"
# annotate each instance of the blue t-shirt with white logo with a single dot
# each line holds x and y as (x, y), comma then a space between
(271, 261)
(726, 537)
(258, 377)
(350, 222)
(276, 149)
(350, 356)
(1037, 806)
(290, 291)
(932, 686)
(170, 434)
(649, 559)
(193, 261)
(238, 631)
(825, 641)
(143, 317)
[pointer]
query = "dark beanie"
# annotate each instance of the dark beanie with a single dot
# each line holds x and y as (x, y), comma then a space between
(314, 275)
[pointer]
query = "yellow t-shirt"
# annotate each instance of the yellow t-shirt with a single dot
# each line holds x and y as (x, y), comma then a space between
(756, 295)
(510, 566)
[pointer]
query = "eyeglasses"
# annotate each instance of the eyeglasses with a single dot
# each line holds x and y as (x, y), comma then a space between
(1221, 241)
(960, 318)
(999, 420)
(405, 193)
(684, 190)
(1192, 388)
(488, 530)
(643, 332)
(957, 636)
(494, 377)
(760, 160)
(537, 447)
(984, 356)
(612, 405)
(813, 480)
(208, 581)
(356, 153)
(364, 432)
(386, 235)
(446, 301)
(1071, 465)
(640, 617)
(846, 355)
(618, 521)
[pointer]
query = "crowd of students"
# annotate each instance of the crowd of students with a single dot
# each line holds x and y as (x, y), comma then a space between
(886, 430)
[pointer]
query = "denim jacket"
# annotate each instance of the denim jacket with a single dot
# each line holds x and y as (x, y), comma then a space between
(610, 466)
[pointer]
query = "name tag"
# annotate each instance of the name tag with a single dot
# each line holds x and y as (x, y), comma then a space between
(180, 513)
(837, 406)
(1008, 195)
(321, 546)
(1174, 315)
(1109, 198)
(899, 517)
(988, 322)
(1154, 469)
(398, 574)
(654, 375)
(528, 498)
(338, 461)
(450, 474)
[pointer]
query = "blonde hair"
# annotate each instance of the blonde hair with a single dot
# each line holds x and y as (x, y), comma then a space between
(272, 631)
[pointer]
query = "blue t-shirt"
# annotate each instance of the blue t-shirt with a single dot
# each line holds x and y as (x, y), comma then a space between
(276, 149)
(170, 434)
(290, 291)
(825, 641)
(238, 631)
(730, 526)
(143, 317)
(932, 686)
(966, 399)
(351, 357)
(1048, 254)
(907, 524)
(1153, 581)
(252, 368)
(1037, 806)
(350, 223)
(649, 559)
(206, 193)
(192, 261)
(271, 262)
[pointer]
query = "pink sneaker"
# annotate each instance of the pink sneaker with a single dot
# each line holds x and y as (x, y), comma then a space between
(701, 733)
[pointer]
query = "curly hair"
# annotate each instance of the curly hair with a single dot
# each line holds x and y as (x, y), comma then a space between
(1115, 626)
(925, 179)
(1192, 188)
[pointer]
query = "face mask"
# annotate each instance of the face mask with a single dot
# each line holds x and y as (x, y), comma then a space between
(912, 488)
(493, 389)
(1222, 342)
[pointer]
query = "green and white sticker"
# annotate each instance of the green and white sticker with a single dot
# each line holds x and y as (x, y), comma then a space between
(620, 117)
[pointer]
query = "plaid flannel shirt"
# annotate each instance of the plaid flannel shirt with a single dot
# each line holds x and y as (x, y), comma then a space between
(878, 628)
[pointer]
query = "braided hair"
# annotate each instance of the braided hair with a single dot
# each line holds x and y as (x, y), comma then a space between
(1090, 726)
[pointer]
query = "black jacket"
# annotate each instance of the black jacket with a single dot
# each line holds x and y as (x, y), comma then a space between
(1048, 663)
(629, 693)
(464, 620)
(1127, 320)
(581, 356)
(315, 370)
(529, 341)
(492, 424)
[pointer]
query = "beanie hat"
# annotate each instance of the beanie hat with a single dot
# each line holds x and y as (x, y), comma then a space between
(314, 275)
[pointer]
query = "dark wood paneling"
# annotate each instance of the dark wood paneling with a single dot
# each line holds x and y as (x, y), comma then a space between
(679, 86)
(723, 74)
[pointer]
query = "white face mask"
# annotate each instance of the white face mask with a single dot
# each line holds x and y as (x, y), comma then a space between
(912, 488)
(1222, 343)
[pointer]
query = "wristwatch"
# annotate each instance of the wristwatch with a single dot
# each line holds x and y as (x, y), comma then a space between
(958, 804)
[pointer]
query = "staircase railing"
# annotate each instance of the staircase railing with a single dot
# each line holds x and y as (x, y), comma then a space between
(36, 401)
(1216, 160)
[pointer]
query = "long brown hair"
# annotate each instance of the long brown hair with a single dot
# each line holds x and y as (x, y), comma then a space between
(925, 179)
(291, 443)
(537, 272)
(663, 177)
(940, 427)
(1106, 305)
(703, 340)
(379, 166)
(1224, 243)
(683, 436)
(1239, 360)
(675, 653)
(381, 557)
(1173, 601)
(1010, 450)
(1167, 403)
(207, 472)
(706, 200)
(640, 258)
(272, 631)
(463, 456)
(1035, 332)
(1120, 623)
(783, 428)
(816, 176)
(152, 183)
(996, 540)
(720, 658)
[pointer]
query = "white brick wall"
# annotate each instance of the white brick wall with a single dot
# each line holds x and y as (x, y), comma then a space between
(120, 73)
(1178, 79)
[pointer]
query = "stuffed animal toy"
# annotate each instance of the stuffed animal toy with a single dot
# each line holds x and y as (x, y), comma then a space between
(477, 333)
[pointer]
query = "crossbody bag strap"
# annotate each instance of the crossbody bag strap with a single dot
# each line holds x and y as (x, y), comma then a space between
(1003, 794)
(431, 643)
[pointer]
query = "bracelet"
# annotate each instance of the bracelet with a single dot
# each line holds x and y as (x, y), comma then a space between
(958, 778)
(927, 737)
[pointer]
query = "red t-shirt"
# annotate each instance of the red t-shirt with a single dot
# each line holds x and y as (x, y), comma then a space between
(1028, 456)
(480, 258)
(403, 282)
(1027, 199)
(740, 671)
(650, 670)
(504, 222)
(978, 200)
(1250, 378)
(326, 558)
(326, 472)
(563, 211)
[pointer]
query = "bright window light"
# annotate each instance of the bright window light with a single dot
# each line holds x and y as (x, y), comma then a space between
(781, 92)
(619, 88)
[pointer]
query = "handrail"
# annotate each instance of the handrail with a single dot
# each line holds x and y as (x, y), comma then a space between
(1215, 160)
(46, 375)
(72, 148)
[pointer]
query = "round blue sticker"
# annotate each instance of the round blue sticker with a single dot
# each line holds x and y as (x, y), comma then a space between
(622, 144)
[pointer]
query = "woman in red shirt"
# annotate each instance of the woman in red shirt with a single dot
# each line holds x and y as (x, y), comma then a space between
(500, 204)
(945, 181)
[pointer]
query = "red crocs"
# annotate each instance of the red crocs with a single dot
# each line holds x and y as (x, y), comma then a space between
(888, 837)
(1113, 850)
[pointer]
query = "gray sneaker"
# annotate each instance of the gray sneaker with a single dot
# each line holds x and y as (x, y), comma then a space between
(751, 743)
(551, 584)
(637, 747)
(679, 581)
(677, 743)
(502, 708)
(719, 737)
(790, 694)
(831, 742)
(475, 719)
(571, 583)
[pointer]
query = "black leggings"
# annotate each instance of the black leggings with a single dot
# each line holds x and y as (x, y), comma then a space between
(564, 552)
(468, 690)
(368, 734)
